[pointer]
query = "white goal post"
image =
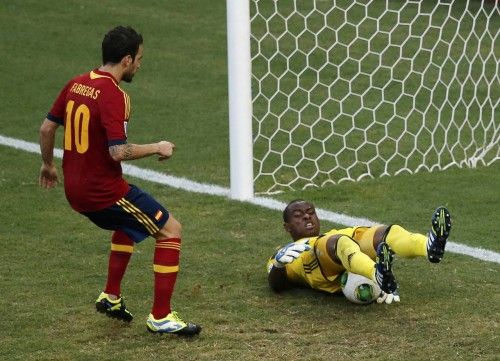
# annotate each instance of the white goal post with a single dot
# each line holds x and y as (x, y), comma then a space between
(326, 91)
(240, 99)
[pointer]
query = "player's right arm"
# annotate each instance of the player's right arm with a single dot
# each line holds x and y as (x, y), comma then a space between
(48, 171)
(277, 276)
(278, 281)
(55, 118)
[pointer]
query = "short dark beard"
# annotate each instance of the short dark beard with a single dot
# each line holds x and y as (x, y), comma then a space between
(127, 78)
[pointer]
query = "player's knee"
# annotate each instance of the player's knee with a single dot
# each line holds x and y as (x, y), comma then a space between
(345, 246)
(171, 229)
(175, 226)
(331, 248)
(380, 235)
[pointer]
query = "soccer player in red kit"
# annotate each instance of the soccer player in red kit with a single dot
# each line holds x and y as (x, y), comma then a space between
(94, 111)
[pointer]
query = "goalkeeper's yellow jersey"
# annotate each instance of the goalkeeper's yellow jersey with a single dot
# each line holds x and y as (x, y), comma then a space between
(314, 268)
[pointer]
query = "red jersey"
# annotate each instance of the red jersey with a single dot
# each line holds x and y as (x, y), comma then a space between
(94, 111)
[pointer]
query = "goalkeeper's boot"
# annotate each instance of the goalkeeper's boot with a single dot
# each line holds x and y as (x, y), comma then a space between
(440, 230)
(172, 324)
(113, 308)
(383, 269)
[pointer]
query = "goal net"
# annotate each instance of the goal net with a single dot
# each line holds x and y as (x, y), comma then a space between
(346, 90)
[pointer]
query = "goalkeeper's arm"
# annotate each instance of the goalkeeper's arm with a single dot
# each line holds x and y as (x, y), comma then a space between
(277, 278)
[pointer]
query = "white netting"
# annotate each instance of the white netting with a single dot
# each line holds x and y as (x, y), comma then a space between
(344, 90)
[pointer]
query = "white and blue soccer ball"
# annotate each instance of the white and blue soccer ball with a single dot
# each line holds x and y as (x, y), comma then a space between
(359, 289)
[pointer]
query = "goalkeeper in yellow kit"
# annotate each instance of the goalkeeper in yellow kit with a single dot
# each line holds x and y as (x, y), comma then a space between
(318, 260)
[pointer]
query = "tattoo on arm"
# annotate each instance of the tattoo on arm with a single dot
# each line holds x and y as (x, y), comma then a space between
(121, 151)
(127, 151)
(113, 150)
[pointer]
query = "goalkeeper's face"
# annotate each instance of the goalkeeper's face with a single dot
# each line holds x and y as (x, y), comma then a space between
(302, 221)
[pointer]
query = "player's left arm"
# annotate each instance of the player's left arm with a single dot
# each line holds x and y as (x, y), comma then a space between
(114, 108)
(129, 151)
(48, 172)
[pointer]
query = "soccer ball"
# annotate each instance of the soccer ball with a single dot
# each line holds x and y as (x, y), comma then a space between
(359, 289)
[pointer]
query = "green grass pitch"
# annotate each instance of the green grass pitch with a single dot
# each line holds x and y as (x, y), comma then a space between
(53, 261)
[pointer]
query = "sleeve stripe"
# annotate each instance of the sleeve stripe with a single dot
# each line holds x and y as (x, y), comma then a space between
(126, 100)
(116, 142)
(127, 106)
(55, 119)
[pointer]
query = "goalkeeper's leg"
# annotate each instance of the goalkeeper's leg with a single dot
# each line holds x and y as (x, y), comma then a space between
(438, 235)
(344, 250)
(408, 244)
(404, 243)
(347, 251)
(401, 242)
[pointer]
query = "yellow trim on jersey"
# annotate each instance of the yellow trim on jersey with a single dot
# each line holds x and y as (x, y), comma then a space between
(122, 248)
(139, 215)
(94, 76)
(165, 269)
(126, 98)
(127, 104)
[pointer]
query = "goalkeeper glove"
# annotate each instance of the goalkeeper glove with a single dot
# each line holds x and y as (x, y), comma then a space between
(388, 298)
(289, 253)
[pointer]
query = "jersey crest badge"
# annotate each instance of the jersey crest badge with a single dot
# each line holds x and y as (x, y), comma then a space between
(158, 215)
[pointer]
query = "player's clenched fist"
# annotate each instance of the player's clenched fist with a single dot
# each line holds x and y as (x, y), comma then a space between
(48, 176)
(165, 149)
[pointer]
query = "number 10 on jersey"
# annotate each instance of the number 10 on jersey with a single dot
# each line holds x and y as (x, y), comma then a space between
(76, 127)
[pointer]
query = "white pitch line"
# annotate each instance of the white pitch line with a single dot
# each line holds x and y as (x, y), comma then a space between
(196, 187)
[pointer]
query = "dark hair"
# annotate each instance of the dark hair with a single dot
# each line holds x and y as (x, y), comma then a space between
(120, 42)
(287, 211)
